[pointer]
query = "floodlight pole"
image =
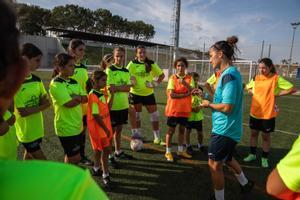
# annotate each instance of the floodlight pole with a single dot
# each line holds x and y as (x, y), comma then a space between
(294, 25)
(176, 33)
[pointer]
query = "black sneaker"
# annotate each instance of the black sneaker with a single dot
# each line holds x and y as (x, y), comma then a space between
(203, 149)
(96, 173)
(108, 184)
(248, 187)
(112, 161)
(123, 156)
(85, 161)
(190, 150)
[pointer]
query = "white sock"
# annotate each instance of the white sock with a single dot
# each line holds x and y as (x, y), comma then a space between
(199, 145)
(96, 168)
(104, 175)
(168, 150)
(180, 148)
(156, 134)
(118, 152)
(241, 178)
(219, 194)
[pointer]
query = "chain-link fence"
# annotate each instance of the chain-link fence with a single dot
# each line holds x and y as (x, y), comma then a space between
(205, 70)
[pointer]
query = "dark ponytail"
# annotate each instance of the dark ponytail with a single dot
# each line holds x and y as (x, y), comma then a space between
(148, 63)
(228, 47)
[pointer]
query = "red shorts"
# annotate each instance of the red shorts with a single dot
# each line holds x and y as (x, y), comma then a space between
(99, 139)
(289, 195)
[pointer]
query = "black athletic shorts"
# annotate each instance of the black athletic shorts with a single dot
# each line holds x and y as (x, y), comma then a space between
(173, 121)
(221, 148)
(194, 125)
(70, 144)
(118, 117)
(144, 100)
(264, 125)
(32, 146)
(84, 122)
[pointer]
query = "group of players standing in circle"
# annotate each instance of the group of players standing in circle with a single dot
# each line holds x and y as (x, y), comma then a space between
(103, 103)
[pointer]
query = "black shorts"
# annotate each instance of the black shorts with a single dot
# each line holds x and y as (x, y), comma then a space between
(221, 148)
(33, 146)
(144, 100)
(84, 122)
(118, 117)
(194, 125)
(70, 144)
(264, 125)
(173, 121)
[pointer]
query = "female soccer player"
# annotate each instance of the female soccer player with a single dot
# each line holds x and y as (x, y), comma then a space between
(284, 181)
(144, 70)
(118, 80)
(8, 139)
(67, 96)
(99, 125)
(211, 83)
(226, 117)
(106, 61)
(30, 100)
(265, 88)
(179, 106)
(76, 49)
(195, 119)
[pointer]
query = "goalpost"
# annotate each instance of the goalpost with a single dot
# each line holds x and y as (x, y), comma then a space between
(204, 68)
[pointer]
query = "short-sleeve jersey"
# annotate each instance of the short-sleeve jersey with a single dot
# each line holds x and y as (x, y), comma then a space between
(81, 76)
(22, 180)
(282, 84)
(288, 167)
(196, 116)
(31, 127)
(137, 69)
(179, 107)
(67, 121)
(118, 76)
(8, 141)
(229, 91)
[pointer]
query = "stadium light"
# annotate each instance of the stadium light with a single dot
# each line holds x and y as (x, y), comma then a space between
(294, 25)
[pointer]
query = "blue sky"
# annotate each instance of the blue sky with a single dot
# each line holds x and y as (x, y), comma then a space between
(211, 20)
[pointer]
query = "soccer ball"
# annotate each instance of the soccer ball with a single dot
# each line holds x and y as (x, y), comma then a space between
(136, 144)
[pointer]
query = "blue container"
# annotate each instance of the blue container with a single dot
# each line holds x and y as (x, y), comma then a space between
(298, 73)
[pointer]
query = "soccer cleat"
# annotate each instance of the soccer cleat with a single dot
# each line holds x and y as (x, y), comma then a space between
(85, 161)
(264, 163)
(159, 142)
(123, 156)
(169, 157)
(183, 154)
(248, 187)
(108, 184)
(250, 158)
(190, 150)
(96, 173)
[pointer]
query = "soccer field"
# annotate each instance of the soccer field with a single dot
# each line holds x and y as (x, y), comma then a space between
(149, 176)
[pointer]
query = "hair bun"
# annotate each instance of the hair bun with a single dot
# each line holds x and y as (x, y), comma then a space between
(232, 40)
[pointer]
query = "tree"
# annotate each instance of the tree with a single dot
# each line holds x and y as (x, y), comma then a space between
(102, 18)
(72, 17)
(32, 19)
